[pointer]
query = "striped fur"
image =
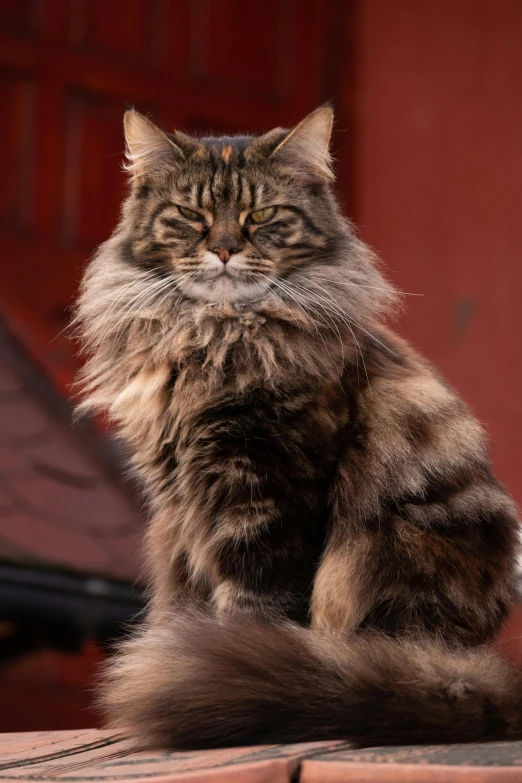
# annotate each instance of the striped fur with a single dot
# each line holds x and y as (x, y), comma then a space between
(314, 486)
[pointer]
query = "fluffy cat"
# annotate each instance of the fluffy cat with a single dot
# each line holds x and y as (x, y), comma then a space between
(328, 549)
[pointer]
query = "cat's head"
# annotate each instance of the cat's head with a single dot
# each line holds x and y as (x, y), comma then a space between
(231, 218)
(222, 243)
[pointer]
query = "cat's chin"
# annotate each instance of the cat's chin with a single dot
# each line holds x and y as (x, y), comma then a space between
(225, 289)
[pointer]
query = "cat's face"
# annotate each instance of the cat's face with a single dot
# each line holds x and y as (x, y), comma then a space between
(230, 218)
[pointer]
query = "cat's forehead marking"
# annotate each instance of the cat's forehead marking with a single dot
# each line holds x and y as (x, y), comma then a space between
(226, 153)
(222, 181)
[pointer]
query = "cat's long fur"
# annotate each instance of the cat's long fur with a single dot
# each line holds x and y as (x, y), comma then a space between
(327, 541)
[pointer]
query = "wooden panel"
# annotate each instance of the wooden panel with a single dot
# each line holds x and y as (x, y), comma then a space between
(19, 17)
(119, 30)
(92, 155)
(17, 98)
(224, 48)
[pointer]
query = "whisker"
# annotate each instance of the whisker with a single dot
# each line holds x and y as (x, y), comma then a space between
(292, 295)
(128, 307)
(359, 285)
(148, 297)
(166, 295)
(263, 278)
(344, 316)
(125, 292)
(93, 305)
(327, 310)
(118, 289)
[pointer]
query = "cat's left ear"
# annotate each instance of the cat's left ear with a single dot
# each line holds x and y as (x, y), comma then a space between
(306, 147)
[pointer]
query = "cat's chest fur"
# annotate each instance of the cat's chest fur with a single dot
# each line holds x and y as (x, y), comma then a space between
(233, 399)
(219, 430)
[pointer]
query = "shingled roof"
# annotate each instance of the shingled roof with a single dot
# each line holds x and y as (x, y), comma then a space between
(69, 523)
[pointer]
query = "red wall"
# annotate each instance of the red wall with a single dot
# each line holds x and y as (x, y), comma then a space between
(438, 173)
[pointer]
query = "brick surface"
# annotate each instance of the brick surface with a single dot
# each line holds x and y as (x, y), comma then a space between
(101, 755)
(489, 762)
(78, 756)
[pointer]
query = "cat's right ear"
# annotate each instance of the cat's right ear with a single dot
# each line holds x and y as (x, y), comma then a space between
(148, 149)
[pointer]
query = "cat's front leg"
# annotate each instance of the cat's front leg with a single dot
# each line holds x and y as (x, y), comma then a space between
(266, 568)
(171, 582)
(345, 587)
(252, 488)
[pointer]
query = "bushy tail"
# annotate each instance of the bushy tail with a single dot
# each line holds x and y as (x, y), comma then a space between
(197, 682)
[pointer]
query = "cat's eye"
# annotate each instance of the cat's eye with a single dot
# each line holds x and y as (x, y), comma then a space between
(190, 214)
(262, 215)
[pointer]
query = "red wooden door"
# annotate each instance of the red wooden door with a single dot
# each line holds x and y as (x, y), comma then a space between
(67, 69)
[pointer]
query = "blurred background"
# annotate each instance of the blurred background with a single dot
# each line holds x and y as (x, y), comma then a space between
(428, 142)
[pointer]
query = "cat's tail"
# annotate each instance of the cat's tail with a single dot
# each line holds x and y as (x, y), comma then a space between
(198, 682)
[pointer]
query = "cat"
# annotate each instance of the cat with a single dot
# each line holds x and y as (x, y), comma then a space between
(328, 550)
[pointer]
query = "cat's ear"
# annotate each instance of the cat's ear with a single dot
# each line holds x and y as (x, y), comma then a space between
(306, 147)
(148, 149)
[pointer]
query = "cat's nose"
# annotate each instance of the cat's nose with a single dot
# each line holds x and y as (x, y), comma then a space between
(224, 253)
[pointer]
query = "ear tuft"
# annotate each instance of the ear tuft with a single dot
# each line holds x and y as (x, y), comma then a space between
(306, 147)
(148, 148)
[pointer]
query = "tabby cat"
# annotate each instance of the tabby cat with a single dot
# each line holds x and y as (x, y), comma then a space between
(328, 550)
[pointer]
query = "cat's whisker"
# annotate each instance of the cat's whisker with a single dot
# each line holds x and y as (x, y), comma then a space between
(166, 295)
(144, 297)
(285, 304)
(125, 291)
(121, 298)
(94, 305)
(124, 317)
(343, 315)
(129, 308)
(163, 298)
(138, 280)
(292, 295)
(361, 285)
(144, 300)
(306, 296)
(333, 307)
(304, 293)
(358, 349)
(303, 304)
(344, 318)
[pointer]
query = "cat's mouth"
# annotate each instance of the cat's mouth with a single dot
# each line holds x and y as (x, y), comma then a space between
(225, 272)
(216, 282)
(226, 285)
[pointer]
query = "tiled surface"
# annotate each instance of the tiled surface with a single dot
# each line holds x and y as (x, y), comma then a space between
(77, 756)
(100, 755)
(59, 504)
(489, 762)
(486, 754)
